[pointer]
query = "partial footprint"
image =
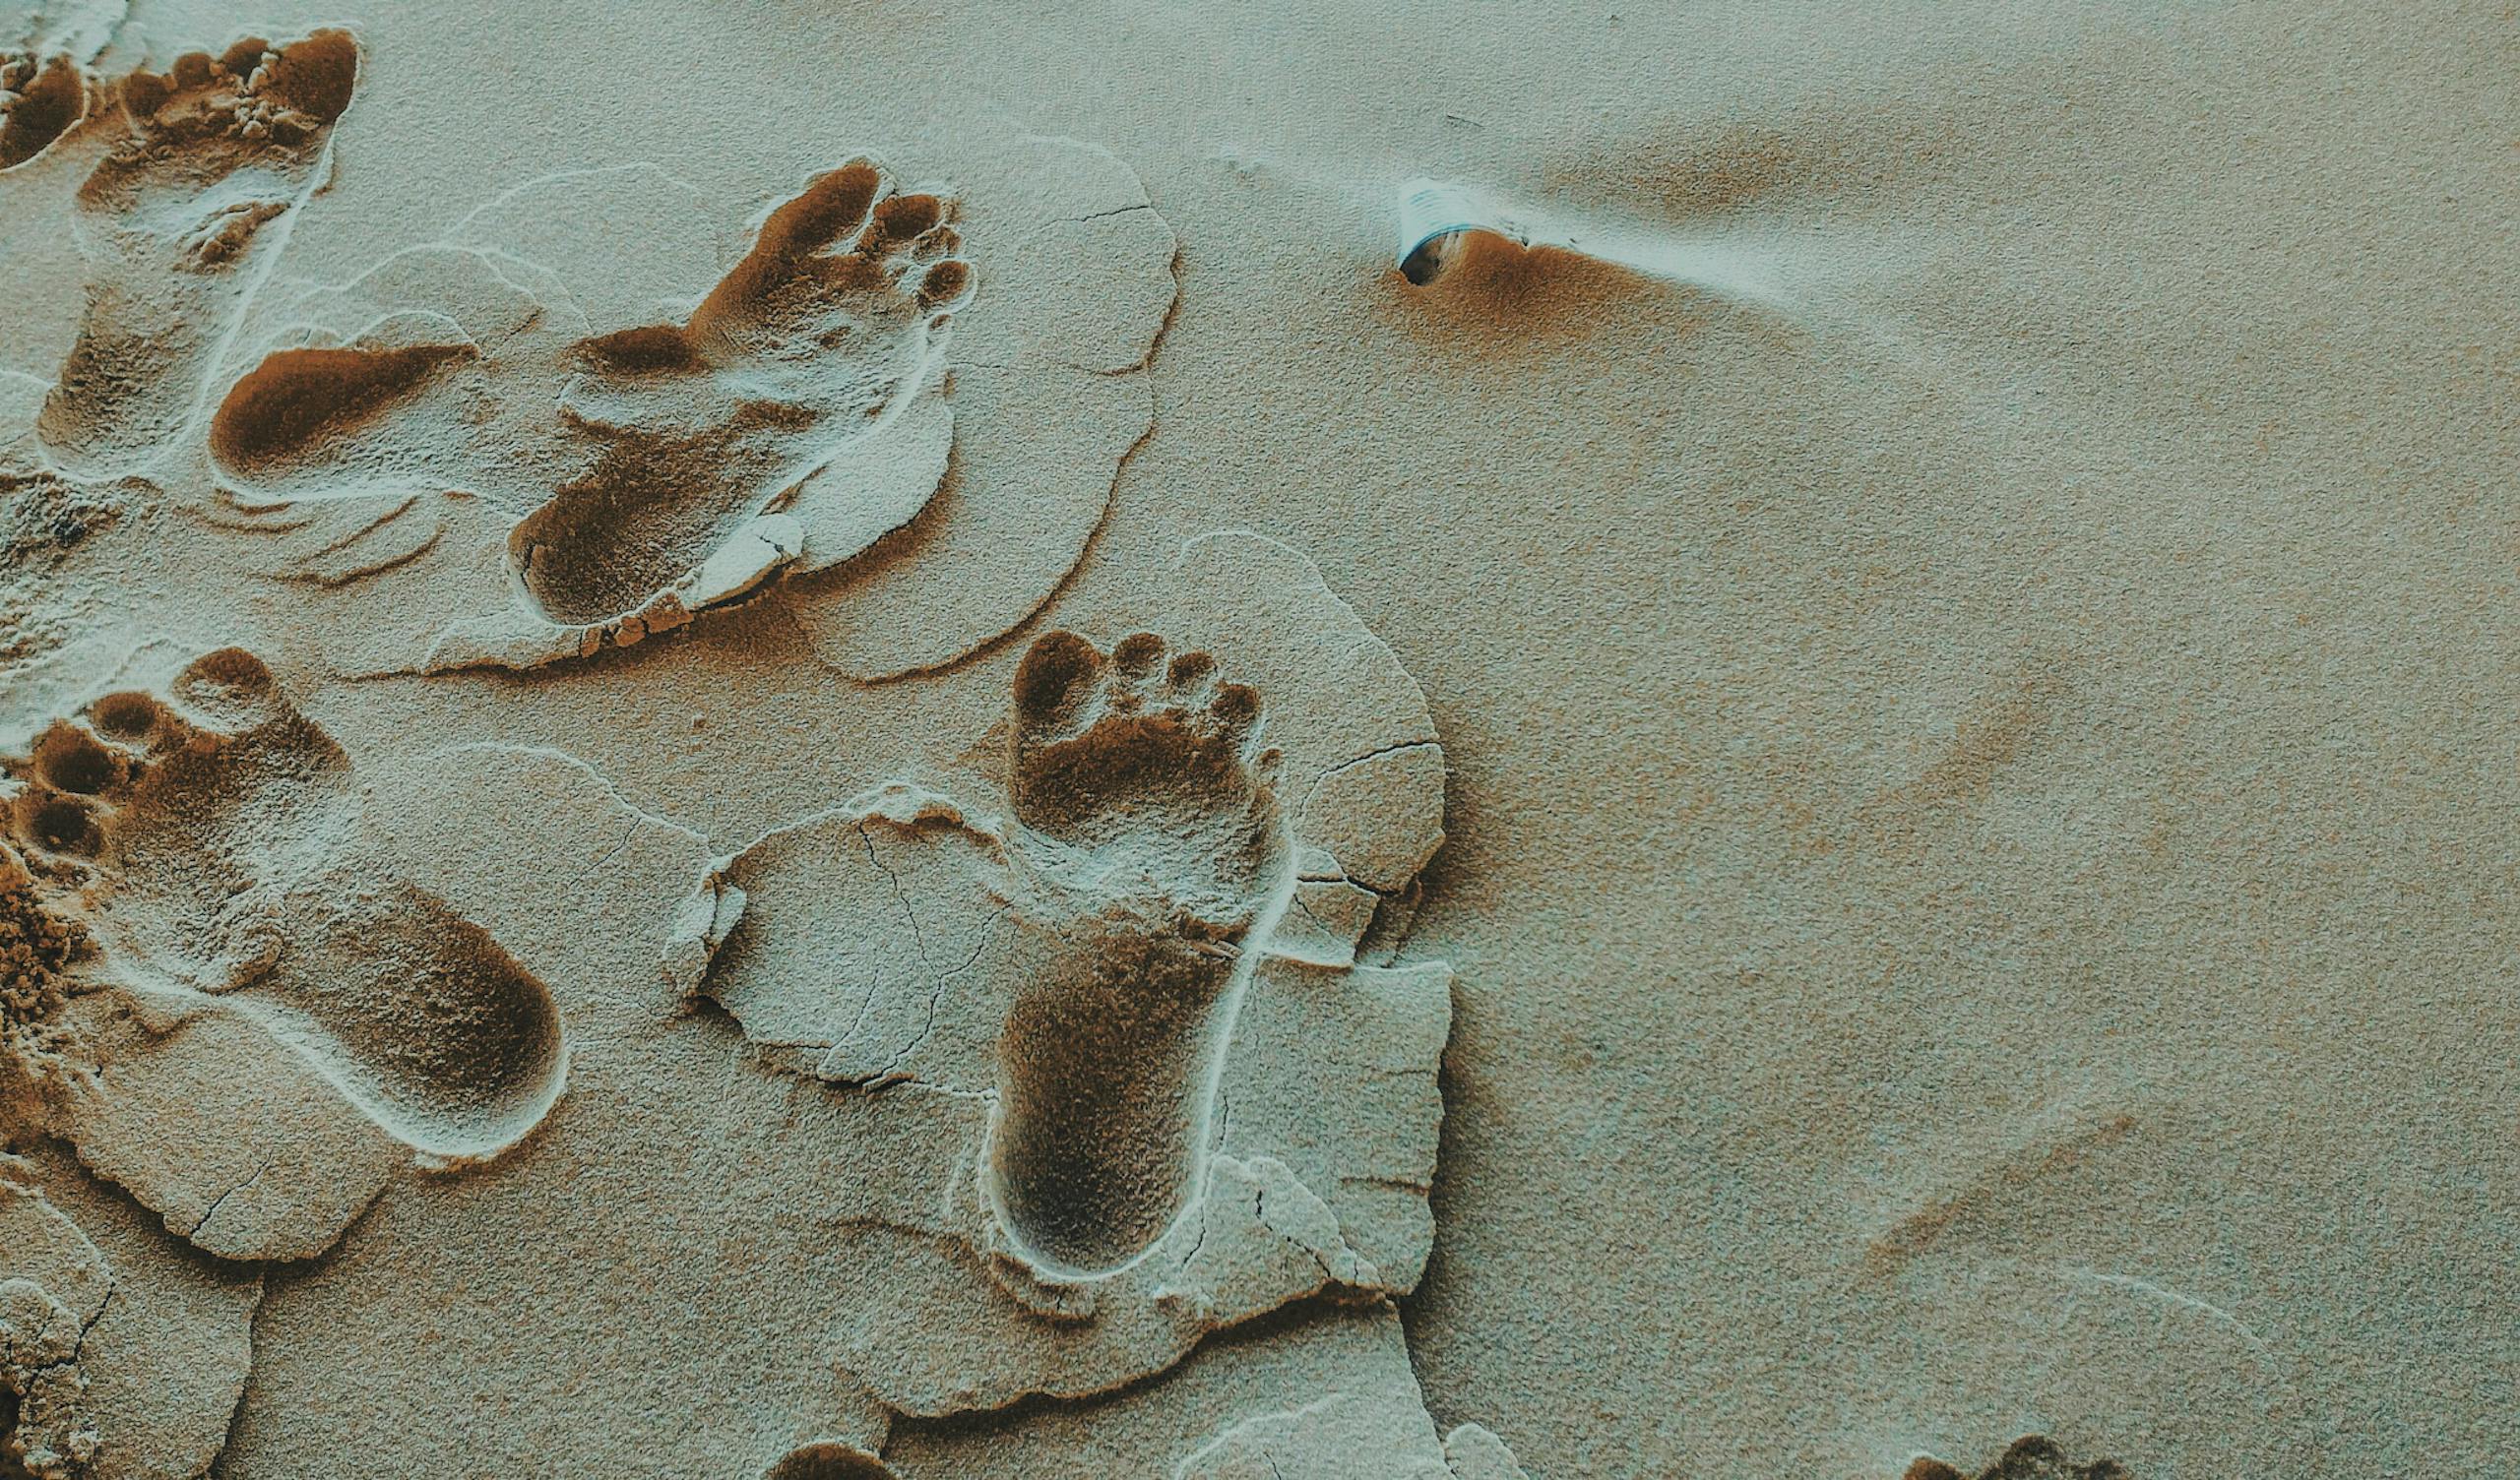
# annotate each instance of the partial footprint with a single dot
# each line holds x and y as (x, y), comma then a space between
(2035, 1457)
(824, 330)
(1146, 808)
(199, 831)
(417, 1016)
(179, 820)
(301, 401)
(178, 225)
(41, 98)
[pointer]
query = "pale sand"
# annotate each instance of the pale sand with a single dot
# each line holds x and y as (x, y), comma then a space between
(1855, 808)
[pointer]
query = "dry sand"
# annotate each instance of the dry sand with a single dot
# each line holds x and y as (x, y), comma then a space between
(830, 741)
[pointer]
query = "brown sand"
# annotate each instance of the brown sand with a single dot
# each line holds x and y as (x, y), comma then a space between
(830, 741)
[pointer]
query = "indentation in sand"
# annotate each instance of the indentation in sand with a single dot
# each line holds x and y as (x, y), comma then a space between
(596, 411)
(178, 225)
(1152, 851)
(823, 333)
(1172, 1099)
(42, 97)
(2035, 1457)
(264, 1028)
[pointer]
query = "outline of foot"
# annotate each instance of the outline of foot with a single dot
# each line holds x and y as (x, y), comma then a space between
(1147, 813)
(692, 431)
(177, 820)
(178, 225)
(194, 835)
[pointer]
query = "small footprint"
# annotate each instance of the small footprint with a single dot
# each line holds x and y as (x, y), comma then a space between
(194, 833)
(180, 818)
(179, 224)
(696, 428)
(1149, 813)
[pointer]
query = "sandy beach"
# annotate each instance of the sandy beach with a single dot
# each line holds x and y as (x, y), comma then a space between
(811, 741)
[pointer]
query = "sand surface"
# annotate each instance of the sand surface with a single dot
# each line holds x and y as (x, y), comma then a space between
(830, 741)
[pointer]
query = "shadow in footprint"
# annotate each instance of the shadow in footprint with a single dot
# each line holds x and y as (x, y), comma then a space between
(45, 98)
(823, 1461)
(177, 224)
(193, 830)
(299, 404)
(419, 1016)
(1149, 817)
(822, 329)
(2035, 1457)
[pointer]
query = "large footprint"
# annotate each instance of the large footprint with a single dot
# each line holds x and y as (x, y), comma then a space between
(198, 830)
(178, 225)
(1155, 1082)
(822, 330)
(574, 439)
(1148, 819)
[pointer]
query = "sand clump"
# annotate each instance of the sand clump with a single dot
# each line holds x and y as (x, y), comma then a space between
(39, 952)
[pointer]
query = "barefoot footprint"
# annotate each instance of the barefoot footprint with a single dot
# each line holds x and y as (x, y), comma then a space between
(696, 429)
(601, 437)
(1152, 826)
(1150, 1066)
(195, 833)
(40, 97)
(179, 224)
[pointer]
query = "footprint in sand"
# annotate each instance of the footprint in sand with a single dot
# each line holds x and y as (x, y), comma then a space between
(195, 832)
(179, 224)
(1153, 1065)
(1148, 821)
(40, 97)
(823, 329)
